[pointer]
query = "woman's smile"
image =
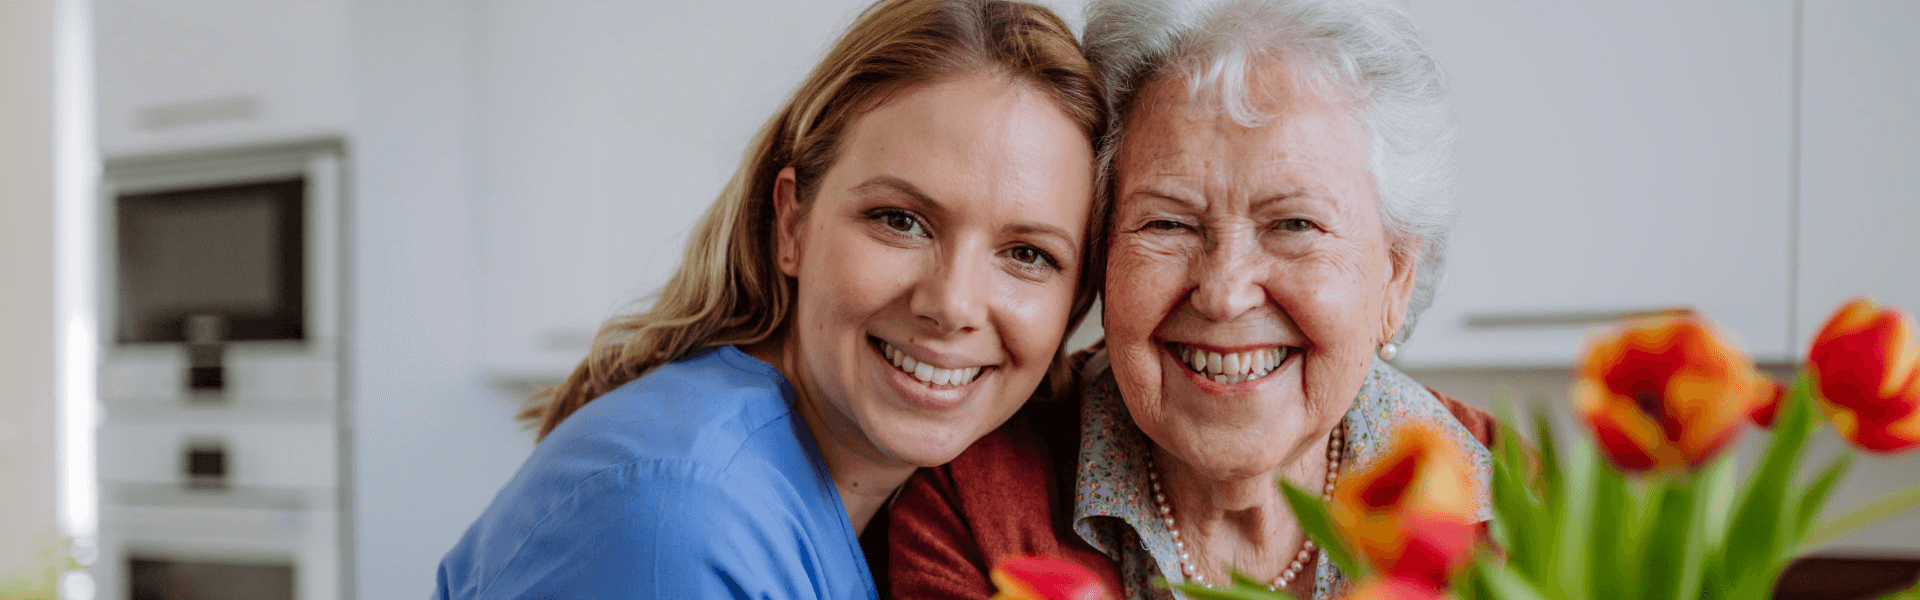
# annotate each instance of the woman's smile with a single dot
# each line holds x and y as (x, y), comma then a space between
(922, 380)
(1230, 366)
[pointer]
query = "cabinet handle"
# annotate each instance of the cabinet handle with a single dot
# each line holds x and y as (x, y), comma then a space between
(1564, 318)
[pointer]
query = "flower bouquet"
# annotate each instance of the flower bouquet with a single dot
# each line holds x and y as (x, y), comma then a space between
(1651, 507)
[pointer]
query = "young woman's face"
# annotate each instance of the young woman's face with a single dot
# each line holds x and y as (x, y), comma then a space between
(936, 266)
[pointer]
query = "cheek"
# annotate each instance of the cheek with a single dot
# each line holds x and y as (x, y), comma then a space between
(1034, 319)
(1332, 300)
(1144, 282)
(843, 277)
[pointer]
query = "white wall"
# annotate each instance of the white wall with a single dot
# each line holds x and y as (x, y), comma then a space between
(27, 460)
(431, 443)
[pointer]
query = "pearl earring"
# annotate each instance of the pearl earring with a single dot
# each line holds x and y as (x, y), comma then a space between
(1389, 350)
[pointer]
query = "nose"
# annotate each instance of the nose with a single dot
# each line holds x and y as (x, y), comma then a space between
(952, 297)
(1227, 280)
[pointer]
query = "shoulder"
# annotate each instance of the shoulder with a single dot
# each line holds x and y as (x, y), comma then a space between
(695, 471)
(1478, 422)
(1004, 496)
(650, 529)
(707, 408)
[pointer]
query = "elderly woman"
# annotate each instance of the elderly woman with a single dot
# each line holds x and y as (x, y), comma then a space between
(1280, 172)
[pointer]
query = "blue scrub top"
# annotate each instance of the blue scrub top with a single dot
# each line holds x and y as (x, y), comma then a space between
(694, 481)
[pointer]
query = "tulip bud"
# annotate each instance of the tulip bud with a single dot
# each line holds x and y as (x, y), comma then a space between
(1666, 392)
(1046, 578)
(1764, 413)
(1866, 368)
(1411, 512)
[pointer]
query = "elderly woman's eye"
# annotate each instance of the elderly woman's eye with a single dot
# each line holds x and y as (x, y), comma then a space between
(1295, 225)
(1165, 225)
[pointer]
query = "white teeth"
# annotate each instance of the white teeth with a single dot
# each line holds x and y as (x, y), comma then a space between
(929, 374)
(1234, 367)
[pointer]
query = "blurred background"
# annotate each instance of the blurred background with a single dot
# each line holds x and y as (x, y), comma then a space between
(279, 272)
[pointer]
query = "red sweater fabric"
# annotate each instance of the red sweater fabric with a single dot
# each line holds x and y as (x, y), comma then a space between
(1011, 494)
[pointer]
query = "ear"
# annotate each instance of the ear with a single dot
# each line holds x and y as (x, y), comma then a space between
(788, 220)
(1404, 259)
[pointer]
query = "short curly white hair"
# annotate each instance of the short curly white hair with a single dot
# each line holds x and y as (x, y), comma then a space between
(1368, 50)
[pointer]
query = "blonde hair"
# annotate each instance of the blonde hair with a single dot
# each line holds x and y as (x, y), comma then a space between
(729, 289)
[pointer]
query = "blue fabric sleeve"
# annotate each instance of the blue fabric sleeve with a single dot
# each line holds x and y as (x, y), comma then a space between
(662, 529)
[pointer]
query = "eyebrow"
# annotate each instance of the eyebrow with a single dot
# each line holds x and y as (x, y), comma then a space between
(1153, 193)
(885, 183)
(1302, 193)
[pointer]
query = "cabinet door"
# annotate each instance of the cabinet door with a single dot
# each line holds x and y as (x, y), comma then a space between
(1859, 203)
(1613, 157)
(185, 75)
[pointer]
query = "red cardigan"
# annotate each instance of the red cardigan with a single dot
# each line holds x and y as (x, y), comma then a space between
(1012, 494)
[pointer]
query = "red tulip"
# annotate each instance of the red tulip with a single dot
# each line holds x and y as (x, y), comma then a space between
(1046, 578)
(1764, 413)
(1866, 369)
(1411, 513)
(1666, 392)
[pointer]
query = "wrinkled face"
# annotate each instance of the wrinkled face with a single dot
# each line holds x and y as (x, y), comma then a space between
(1250, 279)
(936, 266)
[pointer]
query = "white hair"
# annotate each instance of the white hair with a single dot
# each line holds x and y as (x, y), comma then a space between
(1369, 50)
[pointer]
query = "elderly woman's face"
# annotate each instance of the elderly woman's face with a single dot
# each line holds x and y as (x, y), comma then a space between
(1250, 277)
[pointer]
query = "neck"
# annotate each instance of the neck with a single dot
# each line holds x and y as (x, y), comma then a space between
(1245, 522)
(865, 477)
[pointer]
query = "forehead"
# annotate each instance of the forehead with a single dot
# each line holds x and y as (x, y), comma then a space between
(974, 139)
(1304, 138)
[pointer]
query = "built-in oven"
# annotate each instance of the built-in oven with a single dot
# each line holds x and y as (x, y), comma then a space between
(222, 446)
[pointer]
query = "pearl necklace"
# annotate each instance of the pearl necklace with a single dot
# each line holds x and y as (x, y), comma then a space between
(1335, 441)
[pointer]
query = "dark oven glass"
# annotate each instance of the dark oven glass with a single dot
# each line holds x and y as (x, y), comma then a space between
(235, 252)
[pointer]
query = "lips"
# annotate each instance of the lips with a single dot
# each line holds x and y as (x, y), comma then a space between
(1230, 367)
(934, 377)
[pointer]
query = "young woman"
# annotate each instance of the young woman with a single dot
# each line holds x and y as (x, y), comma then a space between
(887, 278)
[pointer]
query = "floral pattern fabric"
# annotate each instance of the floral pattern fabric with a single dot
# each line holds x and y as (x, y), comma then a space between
(1113, 505)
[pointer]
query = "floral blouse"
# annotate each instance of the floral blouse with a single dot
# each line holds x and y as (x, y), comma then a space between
(1114, 509)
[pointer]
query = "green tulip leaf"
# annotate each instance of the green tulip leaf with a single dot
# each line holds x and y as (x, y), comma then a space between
(1312, 515)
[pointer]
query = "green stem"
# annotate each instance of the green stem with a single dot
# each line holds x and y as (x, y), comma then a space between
(1886, 506)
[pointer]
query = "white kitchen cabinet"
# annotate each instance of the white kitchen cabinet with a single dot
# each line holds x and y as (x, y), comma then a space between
(1613, 157)
(193, 74)
(1859, 205)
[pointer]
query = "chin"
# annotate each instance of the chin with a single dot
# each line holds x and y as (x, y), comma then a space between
(928, 457)
(923, 447)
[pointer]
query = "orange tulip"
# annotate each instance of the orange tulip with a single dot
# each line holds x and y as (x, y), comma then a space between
(1046, 578)
(1867, 376)
(1411, 513)
(1666, 392)
(1396, 588)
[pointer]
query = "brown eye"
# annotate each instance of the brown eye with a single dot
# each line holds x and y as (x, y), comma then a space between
(1031, 256)
(898, 221)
